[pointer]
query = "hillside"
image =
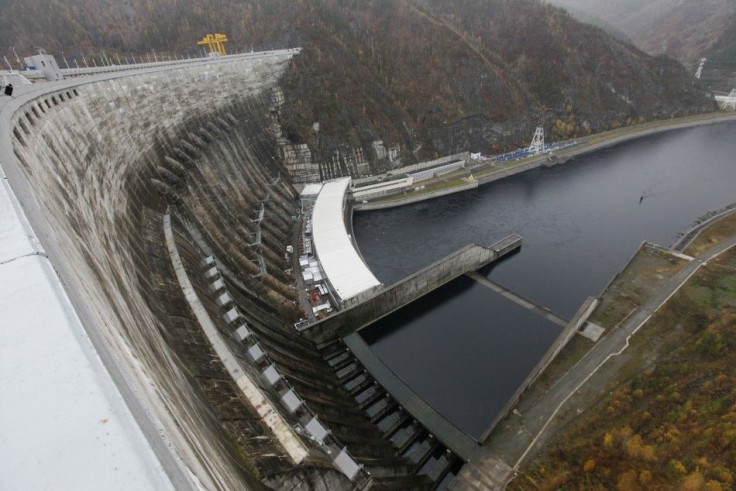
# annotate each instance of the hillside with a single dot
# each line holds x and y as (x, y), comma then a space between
(427, 77)
(683, 29)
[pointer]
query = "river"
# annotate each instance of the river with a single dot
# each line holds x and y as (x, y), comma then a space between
(581, 221)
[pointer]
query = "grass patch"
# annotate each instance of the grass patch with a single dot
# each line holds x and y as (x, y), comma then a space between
(566, 359)
(712, 235)
(644, 275)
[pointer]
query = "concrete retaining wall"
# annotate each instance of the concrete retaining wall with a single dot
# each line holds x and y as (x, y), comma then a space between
(414, 199)
(402, 293)
(565, 336)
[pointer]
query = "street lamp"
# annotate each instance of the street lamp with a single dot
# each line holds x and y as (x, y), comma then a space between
(16, 57)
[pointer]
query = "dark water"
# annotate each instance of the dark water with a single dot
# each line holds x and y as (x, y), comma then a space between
(493, 330)
(580, 221)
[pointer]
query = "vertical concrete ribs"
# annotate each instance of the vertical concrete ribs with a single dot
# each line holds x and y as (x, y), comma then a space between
(102, 165)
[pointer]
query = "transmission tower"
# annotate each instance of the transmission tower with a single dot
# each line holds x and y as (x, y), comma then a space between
(537, 145)
(700, 68)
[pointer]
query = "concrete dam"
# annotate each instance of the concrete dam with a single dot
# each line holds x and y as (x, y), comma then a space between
(160, 199)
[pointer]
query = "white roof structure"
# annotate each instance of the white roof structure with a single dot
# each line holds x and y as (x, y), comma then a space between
(63, 422)
(292, 401)
(271, 374)
(346, 464)
(342, 264)
(315, 428)
(311, 190)
(256, 352)
(243, 332)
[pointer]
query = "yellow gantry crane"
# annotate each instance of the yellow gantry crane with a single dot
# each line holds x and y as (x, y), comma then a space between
(216, 42)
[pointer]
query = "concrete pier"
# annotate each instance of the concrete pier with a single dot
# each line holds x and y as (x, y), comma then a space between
(469, 258)
(346, 325)
(570, 329)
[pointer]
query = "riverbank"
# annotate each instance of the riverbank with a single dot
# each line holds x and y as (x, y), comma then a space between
(472, 177)
(674, 377)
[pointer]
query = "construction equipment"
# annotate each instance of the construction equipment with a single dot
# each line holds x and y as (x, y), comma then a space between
(216, 43)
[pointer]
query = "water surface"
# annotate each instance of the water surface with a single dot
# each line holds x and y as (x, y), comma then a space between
(581, 222)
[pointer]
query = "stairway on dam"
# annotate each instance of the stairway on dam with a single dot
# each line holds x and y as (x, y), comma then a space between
(102, 167)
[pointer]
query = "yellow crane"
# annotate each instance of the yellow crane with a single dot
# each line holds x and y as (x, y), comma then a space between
(216, 43)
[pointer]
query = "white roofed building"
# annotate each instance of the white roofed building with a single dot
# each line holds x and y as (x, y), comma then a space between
(350, 278)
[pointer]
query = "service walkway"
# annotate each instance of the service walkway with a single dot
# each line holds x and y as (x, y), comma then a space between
(523, 433)
(63, 421)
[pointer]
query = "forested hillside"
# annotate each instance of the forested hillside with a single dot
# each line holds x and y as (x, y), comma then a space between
(427, 76)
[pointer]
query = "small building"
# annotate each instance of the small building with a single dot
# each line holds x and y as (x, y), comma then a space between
(292, 401)
(45, 64)
(256, 352)
(310, 191)
(272, 375)
(231, 315)
(224, 300)
(243, 332)
(217, 285)
(317, 430)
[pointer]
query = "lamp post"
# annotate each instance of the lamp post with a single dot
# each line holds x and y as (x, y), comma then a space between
(16, 57)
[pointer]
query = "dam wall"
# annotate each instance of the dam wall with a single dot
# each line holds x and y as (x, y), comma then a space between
(85, 155)
(108, 169)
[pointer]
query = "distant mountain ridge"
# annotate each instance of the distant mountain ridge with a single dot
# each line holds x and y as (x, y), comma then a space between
(427, 77)
(684, 29)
